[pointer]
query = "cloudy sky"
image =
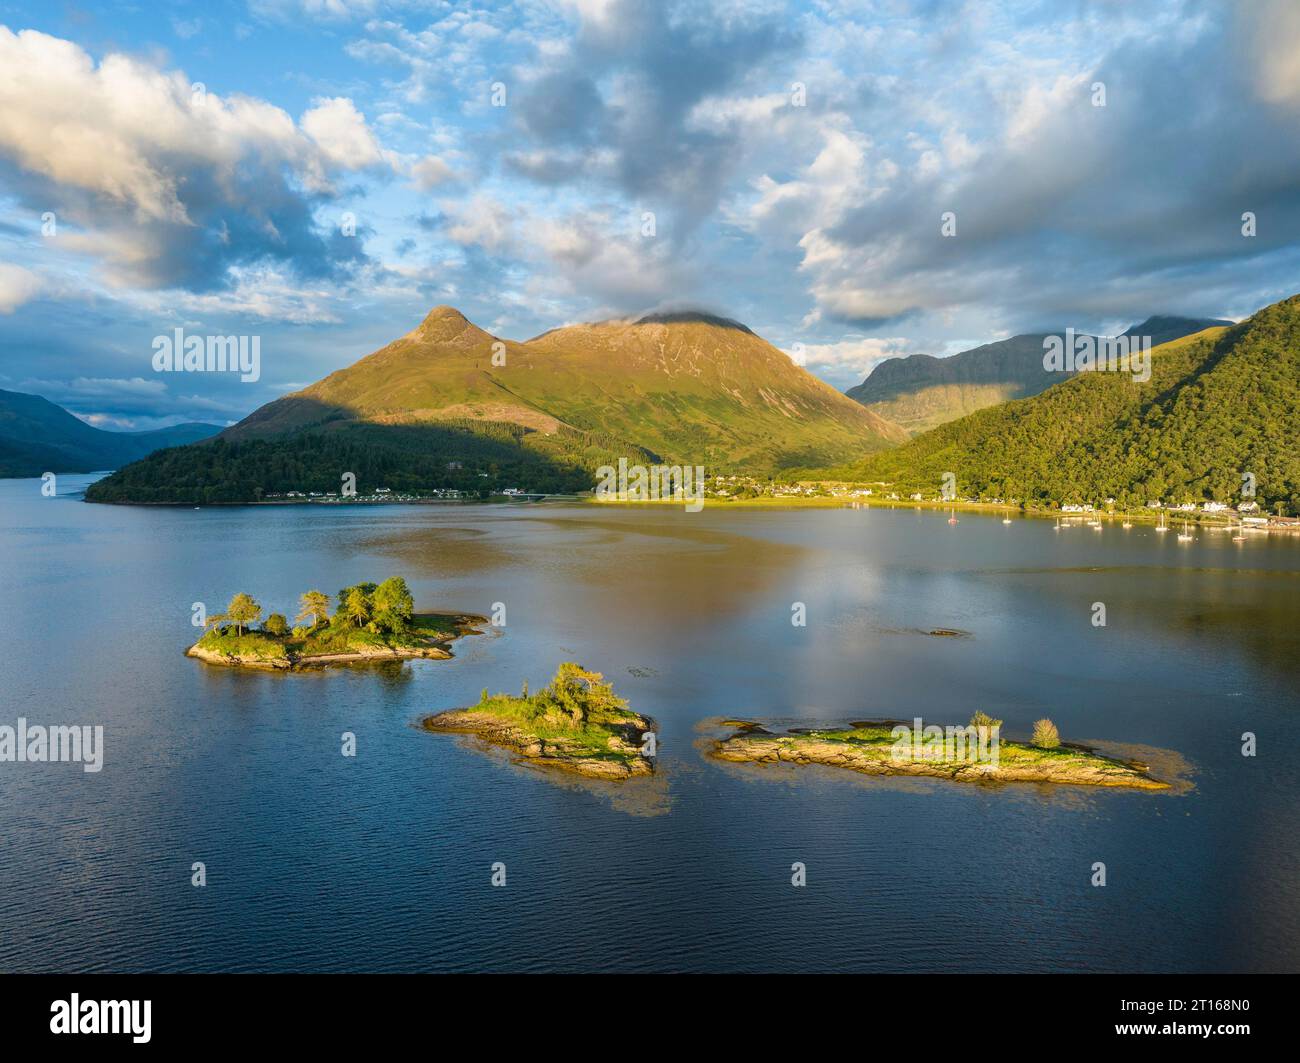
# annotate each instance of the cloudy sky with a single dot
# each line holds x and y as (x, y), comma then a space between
(319, 173)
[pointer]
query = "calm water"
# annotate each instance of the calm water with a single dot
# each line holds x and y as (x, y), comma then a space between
(382, 862)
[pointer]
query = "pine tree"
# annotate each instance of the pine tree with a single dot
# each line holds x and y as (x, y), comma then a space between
(242, 611)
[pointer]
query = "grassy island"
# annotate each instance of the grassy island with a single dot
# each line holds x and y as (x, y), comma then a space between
(576, 723)
(975, 753)
(372, 622)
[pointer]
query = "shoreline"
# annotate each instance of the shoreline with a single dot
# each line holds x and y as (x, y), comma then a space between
(491, 500)
(1173, 517)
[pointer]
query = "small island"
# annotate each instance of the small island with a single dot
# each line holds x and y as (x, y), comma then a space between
(975, 753)
(576, 724)
(372, 622)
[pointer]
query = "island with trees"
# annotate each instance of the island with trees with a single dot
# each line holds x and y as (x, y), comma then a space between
(372, 621)
(576, 723)
(892, 747)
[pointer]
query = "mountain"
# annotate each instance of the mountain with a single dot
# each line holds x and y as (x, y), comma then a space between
(678, 388)
(920, 391)
(36, 436)
(1163, 329)
(1219, 404)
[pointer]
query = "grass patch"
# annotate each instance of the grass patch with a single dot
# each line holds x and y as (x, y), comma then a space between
(254, 644)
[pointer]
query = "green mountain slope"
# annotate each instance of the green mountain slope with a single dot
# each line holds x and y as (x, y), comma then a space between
(36, 436)
(1219, 404)
(540, 415)
(921, 392)
(696, 389)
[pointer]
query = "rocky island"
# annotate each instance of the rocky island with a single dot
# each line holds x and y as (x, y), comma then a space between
(975, 753)
(372, 622)
(576, 724)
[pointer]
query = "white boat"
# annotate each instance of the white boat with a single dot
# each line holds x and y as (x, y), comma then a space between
(1184, 536)
(1127, 524)
(1006, 520)
(1162, 527)
(1238, 536)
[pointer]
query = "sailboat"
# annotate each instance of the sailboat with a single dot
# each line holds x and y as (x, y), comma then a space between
(1162, 527)
(1127, 524)
(1239, 537)
(1184, 536)
(1058, 524)
(952, 517)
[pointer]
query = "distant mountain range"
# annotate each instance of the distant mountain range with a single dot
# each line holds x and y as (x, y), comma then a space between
(920, 392)
(36, 437)
(1220, 404)
(448, 401)
(449, 405)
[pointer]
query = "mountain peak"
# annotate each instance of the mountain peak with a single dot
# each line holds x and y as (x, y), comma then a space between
(444, 313)
(444, 324)
(1165, 327)
(690, 317)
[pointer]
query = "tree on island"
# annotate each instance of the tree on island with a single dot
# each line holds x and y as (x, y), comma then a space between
(356, 606)
(276, 624)
(577, 694)
(242, 611)
(393, 605)
(314, 606)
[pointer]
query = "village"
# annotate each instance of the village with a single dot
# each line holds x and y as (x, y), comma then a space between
(1249, 514)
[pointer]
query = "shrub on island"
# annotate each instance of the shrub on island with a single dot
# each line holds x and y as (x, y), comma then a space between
(1046, 735)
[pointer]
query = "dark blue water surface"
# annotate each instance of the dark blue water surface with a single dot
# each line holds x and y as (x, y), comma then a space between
(383, 861)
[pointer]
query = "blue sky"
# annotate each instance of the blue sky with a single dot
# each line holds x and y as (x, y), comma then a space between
(202, 162)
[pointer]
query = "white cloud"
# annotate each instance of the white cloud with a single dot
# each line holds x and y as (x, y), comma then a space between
(850, 359)
(429, 172)
(836, 179)
(337, 10)
(166, 183)
(589, 256)
(17, 286)
(262, 292)
(341, 133)
(480, 221)
(111, 129)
